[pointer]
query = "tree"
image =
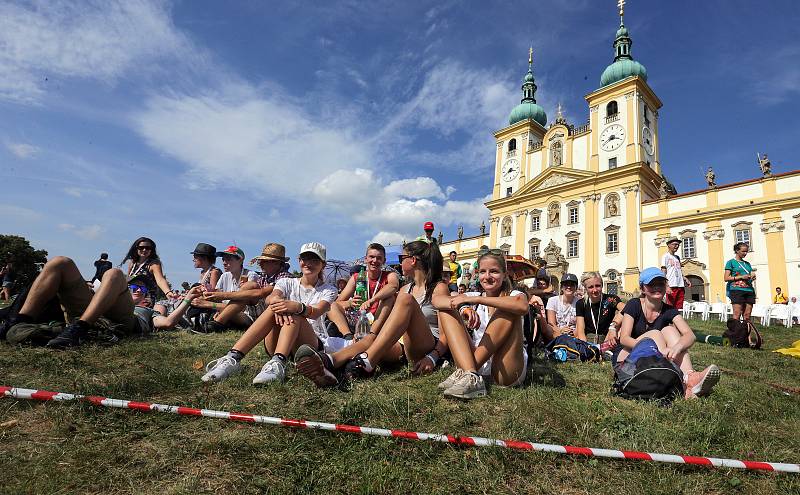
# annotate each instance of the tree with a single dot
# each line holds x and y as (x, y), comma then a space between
(26, 261)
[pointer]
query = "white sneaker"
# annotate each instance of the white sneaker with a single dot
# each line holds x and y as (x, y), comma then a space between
(470, 386)
(220, 369)
(272, 371)
(452, 379)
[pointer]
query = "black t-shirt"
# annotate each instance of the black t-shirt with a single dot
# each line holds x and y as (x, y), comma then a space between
(640, 325)
(101, 266)
(606, 307)
(546, 296)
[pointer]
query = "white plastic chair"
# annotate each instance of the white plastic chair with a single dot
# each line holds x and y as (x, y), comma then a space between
(687, 309)
(760, 311)
(700, 308)
(718, 308)
(794, 312)
(780, 312)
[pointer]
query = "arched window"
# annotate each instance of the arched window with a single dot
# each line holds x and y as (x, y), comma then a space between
(611, 108)
(512, 145)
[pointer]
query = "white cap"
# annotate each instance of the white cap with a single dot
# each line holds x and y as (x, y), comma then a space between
(313, 247)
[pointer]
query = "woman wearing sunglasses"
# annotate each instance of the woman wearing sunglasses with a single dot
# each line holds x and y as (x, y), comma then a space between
(293, 318)
(561, 310)
(421, 309)
(144, 264)
(495, 350)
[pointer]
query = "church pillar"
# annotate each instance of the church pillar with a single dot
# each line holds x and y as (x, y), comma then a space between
(631, 148)
(498, 160)
(494, 224)
(519, 239)
(592, 249)
(594, 157)
(773, 227)
(714, 235)
(631, 282)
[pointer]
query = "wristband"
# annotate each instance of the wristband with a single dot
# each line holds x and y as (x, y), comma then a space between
(213, 305)
(302, 309)
(432, 360)
(187, 301)
(463, 305)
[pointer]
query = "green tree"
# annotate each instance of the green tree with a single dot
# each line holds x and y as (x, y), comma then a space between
(25, 260)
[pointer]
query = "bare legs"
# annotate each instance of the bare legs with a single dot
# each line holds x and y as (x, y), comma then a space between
(742, 309)
(405, 320)
(277, 339)
(664, 338)
(58, 274)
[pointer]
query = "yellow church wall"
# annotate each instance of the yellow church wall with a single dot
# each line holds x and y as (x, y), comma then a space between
(688, 203)
(791, 243)
(788, 185)
(534, 164)
(735, 194)
(579, 152)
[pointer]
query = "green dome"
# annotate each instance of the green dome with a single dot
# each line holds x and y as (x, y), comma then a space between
(622, 68)
(622, 31)
(525, 111)
(529, 77)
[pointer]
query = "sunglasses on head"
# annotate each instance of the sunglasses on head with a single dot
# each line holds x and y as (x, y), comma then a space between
(496, 252)
(136, 287)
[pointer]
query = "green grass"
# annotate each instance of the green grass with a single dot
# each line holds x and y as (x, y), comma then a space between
(78, 448)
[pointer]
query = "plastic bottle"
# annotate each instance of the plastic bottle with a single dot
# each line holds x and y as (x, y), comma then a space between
(560, 355)
(361, 285)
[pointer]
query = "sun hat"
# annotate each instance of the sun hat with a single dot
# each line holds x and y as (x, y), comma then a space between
(204, 249)
(428, 226)
(272, 251)
(673, 239)
(650, 274)
(232, 251)
(315, 248)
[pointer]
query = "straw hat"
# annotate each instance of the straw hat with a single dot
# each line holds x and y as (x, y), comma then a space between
(272, 251)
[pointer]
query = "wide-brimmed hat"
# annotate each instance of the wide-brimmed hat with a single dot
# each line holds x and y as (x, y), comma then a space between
(204, 249)
(673, 239)
(314, 248)
(232, 251)
(272, 251)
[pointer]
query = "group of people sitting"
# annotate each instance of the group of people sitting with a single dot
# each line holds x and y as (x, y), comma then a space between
(389, 320)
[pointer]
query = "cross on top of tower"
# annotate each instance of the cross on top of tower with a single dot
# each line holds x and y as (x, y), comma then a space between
(621, 4)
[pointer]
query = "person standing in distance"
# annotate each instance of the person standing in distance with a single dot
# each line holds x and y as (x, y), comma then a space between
(677, 283)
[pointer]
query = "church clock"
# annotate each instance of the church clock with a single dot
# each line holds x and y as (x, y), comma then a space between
(647, 140)
(510, 170)
(612, 137)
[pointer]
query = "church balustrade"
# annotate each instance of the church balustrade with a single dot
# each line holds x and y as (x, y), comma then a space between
(612, 118)
(579, 130)
(534, 146)
(511, 153)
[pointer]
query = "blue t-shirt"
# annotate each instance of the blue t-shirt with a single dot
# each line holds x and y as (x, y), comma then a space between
(739, 268)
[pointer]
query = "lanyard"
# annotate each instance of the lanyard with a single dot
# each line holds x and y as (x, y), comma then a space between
(599, 308)
(377, 286)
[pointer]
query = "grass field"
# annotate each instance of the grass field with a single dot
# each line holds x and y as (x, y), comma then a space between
(754, 414)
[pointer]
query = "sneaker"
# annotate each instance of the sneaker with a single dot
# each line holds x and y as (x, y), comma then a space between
(470, 386)
(273, 371)
(357, 368)
(213, 326)
(700, 383)
(452, 379)
(220, 369)
(313, 366)
(72, 336)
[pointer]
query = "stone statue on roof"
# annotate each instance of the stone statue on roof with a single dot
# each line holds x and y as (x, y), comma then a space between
(765, 165)
(483, 228)
(460, 231)
(711, 178)
(441, 238)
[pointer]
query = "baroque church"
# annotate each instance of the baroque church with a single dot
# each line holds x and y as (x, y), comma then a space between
(593, 197)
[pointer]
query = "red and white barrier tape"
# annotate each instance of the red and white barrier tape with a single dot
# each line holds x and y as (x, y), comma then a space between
(24, 393)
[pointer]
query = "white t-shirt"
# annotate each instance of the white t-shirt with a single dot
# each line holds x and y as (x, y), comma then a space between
(477, 334)
(292, 290)
(565, 313)
(228, 283)
(674, 273)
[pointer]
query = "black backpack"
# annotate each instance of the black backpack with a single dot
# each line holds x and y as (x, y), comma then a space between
(743, 333)
(650, 378)
(575, 348)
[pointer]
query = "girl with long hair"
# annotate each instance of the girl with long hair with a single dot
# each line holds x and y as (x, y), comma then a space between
(293, 318)
(145, 265)
(740, 277)
(598, 312)
(495, 349)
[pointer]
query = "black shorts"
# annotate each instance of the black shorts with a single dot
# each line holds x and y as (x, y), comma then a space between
(742, 297)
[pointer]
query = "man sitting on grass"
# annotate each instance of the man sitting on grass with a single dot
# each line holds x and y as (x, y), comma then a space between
(119, 301)
(234, 276)
(251, 297)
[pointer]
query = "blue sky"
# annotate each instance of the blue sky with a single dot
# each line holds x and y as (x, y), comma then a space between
(259, 121)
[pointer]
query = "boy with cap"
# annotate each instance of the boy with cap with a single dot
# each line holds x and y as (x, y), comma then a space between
(675, 279)
(428, 237)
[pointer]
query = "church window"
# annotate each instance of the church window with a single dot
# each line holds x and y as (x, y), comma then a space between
(553, 215)
(512, 145)
(612, 205)
(572, 247)
(505, 248)
(533, 248)
(505, 227)
(573, 214)
(611, 109)
(612, 163)
(509, 191)
(612, 288)
(646, 118)
(742, 233)
(536, 222)
(689, 250)
(612, 242)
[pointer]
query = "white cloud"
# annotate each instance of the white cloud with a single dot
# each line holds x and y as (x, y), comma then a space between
(420, 187)
(89, 232)
(66, 227)
(19, 213)
(22, 150)
(99, 39)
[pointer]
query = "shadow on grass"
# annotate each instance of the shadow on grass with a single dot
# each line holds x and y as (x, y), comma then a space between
(542, 372)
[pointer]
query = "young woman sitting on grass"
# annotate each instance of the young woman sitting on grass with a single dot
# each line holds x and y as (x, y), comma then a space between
(496, 349)
(143, 263)
(599, 313)
(293, 318)
(231, 280)
(421, 308)
(560, 310)
(649, 317)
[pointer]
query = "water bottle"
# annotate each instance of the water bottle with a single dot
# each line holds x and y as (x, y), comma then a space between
(361, 285)
(560, 355)
(363, 325)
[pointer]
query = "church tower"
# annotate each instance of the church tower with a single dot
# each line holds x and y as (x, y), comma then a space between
(624, 111)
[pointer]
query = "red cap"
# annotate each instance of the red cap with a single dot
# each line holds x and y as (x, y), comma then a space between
(428, 226)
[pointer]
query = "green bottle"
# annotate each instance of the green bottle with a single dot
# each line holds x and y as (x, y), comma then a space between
(361, 285)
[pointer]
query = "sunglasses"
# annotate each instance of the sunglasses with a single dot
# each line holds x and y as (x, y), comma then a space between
(402, 257)
(308, 260)
(496, 252)
(144, 248)
(139, 288)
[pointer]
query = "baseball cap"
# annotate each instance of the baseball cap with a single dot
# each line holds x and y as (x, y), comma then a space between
(542, 274)
(314, 247)
(428, 226)
(650, 274)
(569, 277)
(232, 251)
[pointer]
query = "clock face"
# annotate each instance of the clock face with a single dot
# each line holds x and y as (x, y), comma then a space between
(612, 137)
(647, 140)
(510, 169)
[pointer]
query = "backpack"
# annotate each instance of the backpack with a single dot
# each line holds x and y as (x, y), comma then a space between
(576, 349)
(51, 312)
(743, 333)
(647, 375)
